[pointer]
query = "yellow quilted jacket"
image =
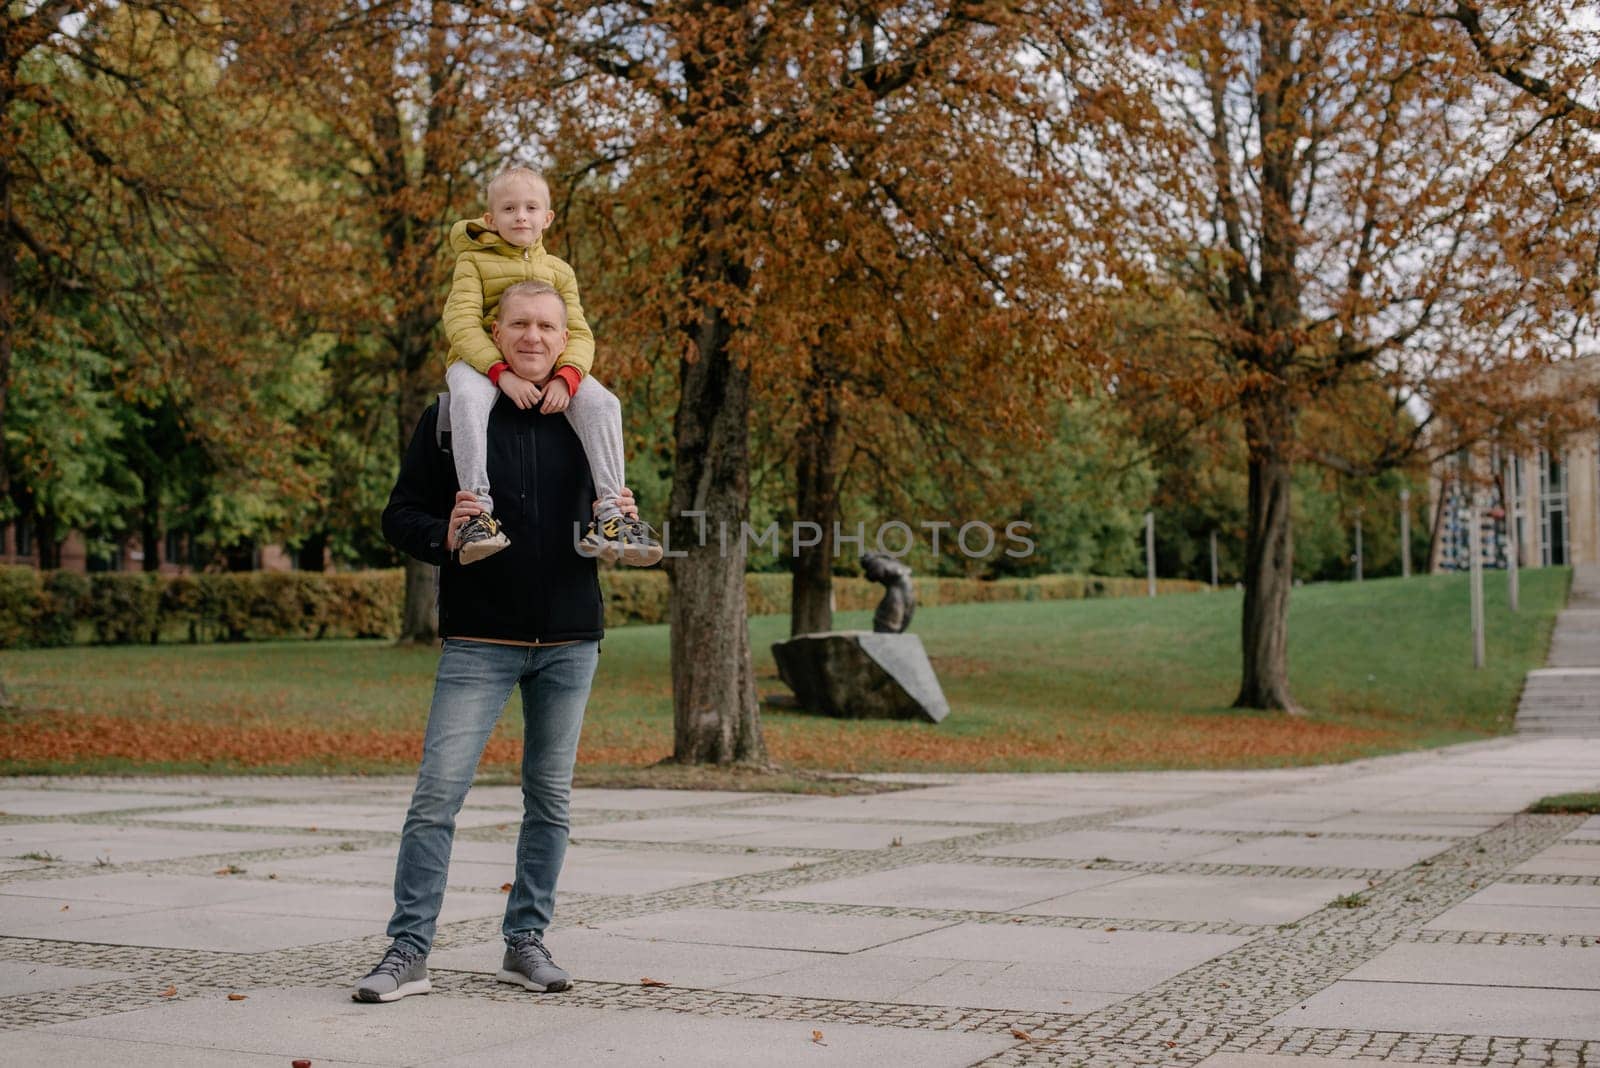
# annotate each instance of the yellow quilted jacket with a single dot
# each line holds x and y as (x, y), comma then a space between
(486, 267)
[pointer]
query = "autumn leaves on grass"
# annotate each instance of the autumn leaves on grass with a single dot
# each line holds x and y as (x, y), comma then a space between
(157, 742)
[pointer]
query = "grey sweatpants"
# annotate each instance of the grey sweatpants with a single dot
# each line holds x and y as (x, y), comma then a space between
(595, 415)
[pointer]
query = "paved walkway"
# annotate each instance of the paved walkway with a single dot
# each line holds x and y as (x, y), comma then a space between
(1395, 909)
(1564, 697)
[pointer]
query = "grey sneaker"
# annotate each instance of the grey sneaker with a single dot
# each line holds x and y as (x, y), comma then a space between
(618, 540)
(402, 972)
(603, 540)
(479, 537)
(527, 963)
(640, 546)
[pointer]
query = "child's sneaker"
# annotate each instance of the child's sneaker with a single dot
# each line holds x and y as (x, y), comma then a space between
(619, 540)
(479, 537)
(640, 546)
(603, 539)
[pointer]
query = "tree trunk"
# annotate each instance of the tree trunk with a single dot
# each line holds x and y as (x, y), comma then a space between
(419, 618)
(412, 340)
(1269, 552)
(715, 716)
(313, 553)
(45, 543)
(816, 501)
(150, 523)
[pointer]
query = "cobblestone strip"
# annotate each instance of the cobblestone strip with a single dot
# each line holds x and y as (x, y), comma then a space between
(768, 1006)
(1420, 1047)
(1202, 1008)
(1553, 880)
(47, 1007)
(1501, 938)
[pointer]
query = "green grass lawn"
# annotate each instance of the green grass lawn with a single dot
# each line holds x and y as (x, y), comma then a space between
(1380, 666)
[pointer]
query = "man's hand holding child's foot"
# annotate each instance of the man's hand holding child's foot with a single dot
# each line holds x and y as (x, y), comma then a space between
(622, 538)
(473, 534)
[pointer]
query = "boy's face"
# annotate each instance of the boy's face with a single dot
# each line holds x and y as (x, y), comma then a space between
(519, 211)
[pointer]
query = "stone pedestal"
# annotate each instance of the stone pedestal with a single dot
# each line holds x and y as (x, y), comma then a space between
(856, 674)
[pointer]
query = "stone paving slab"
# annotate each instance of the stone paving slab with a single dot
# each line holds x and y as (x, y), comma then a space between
(24, 916)
(949, 886)
(1435, 824)
(142, 888)
(1576, 897)
(89, 844)
(1314, 852)
(1515, 919)
(329, 817)
(1571, 859)
(289, 1023)
(760, 930)
(629, 1039)
(672, 829)
(1030, 987)
(1452, 1009)
(922, 810)
(44, 1048)
(78, 802)
(210, 927)
(1236, 898)
(1106, 960)
(610, 800)
(1411, 962)
(1113, 845)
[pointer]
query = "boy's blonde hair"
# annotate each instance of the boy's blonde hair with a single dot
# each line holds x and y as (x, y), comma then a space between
(509, 174)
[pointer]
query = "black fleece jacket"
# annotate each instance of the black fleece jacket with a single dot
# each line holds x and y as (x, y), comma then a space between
(539, 589)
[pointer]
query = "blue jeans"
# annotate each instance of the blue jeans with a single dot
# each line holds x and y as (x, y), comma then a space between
(471, 688)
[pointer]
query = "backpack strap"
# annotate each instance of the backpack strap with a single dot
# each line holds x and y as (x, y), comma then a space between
(441, 426)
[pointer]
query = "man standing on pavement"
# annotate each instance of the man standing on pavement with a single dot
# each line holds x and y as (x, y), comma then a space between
(529, 616)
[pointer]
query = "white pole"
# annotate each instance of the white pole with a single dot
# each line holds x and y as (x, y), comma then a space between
(1508, 497)
(1213, 559)
(1405, 533)
(1474, 549)
(1150, 550)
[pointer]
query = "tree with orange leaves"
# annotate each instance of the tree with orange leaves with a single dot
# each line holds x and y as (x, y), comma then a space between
(398, 116)
(1351, 192)
(839, 205)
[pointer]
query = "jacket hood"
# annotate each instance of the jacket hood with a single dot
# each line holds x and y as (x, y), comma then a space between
(470, 235)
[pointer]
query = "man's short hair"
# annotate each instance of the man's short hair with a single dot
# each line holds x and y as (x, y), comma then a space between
(509, 174)
(535, 289)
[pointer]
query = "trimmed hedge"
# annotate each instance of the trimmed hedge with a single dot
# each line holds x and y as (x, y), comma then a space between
(55, 608)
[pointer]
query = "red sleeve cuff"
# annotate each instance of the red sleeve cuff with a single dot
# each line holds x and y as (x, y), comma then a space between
(496, 371)
(571, 376)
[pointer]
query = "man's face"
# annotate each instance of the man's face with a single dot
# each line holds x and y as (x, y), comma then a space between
(530, 334)
(519, 211)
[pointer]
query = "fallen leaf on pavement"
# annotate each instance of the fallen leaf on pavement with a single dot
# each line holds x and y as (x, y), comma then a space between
(65, 908)
(816, 1036)
(300, 1064)
(1018, 1033)
(237, 997)
(171, 991)
(505, 888)
(647, 981)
